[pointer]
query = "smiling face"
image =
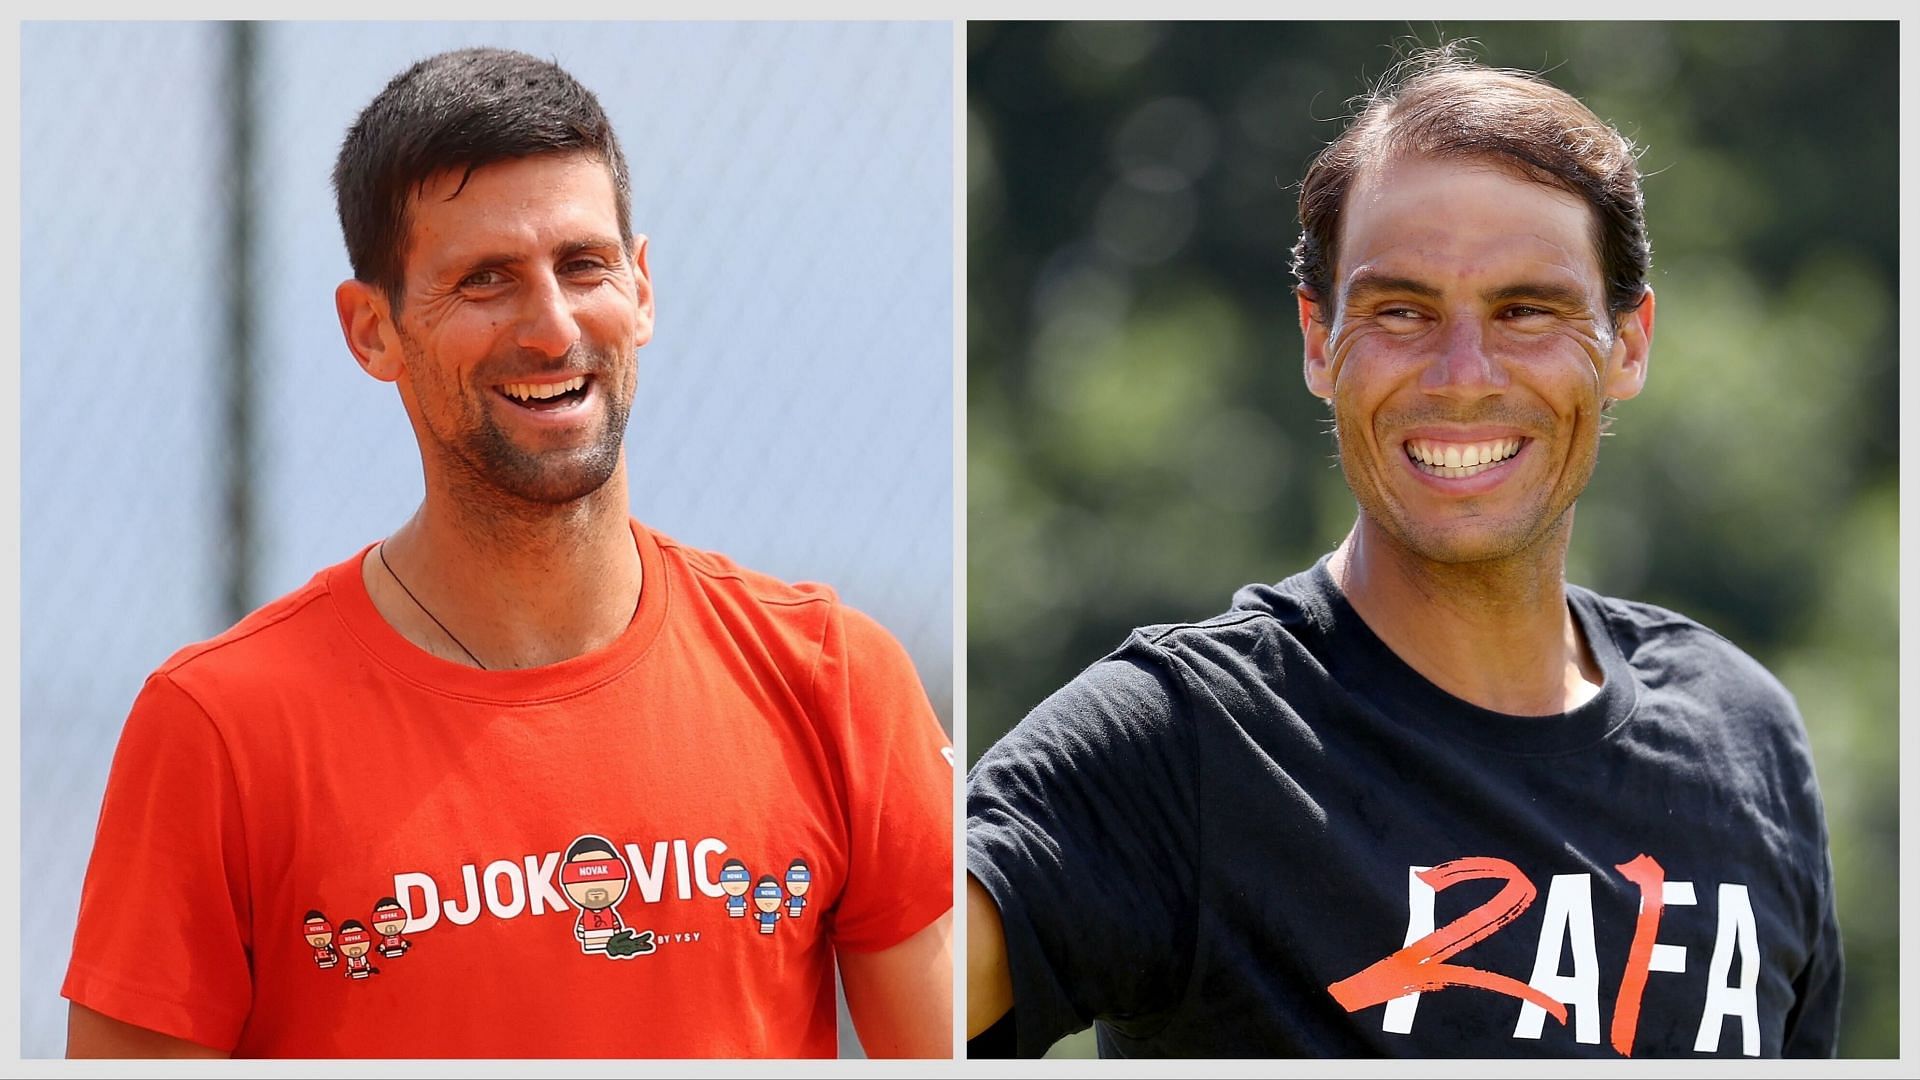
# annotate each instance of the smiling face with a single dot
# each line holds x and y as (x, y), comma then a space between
(1467, 355)
(513, 346)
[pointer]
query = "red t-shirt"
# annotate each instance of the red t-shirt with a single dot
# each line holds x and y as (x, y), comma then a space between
(311, 758)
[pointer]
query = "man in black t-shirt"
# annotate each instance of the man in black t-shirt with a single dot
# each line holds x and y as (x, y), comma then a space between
(1425, 798)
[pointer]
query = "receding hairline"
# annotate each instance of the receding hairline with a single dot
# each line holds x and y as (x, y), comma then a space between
(1443, 102)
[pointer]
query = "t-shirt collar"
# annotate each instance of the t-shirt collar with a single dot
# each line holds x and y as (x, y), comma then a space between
(1365, 666)
(348, 591)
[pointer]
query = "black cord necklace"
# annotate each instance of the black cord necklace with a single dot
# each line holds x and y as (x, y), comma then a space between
(381, 551)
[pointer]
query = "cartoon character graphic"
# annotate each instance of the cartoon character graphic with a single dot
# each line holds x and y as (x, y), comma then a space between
(735, 879)
(594, 878)
(799, 880)
(389, 918)
(319, 934)
(354, 943)
(766, 897)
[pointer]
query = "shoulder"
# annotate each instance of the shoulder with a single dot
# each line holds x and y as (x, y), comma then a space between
(805, 626)
(717, 575)
(1140, 698)
(273, 644)
(1676, 654)
(1271, 635)
(207, 703)
(1705, 692)
(749, 607)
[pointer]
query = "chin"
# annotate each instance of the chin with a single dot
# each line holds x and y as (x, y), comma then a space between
(1460, 552)
(1461, 543)
(553, 477)
(554, 488)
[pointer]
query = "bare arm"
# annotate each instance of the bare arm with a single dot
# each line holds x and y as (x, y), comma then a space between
(96, 1035)
(901, 998)
(989, 983)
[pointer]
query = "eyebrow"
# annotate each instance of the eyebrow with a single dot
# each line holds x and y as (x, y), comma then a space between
(1557, 295)
(1366, 283)
(561, 251)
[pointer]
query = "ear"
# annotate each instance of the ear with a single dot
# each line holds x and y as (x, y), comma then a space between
(1626, 371)
(367, 322)
(1316, 328)
(643, 278)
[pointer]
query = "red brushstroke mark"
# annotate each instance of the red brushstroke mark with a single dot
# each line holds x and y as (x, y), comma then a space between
(1652, 880)
(1421, 966)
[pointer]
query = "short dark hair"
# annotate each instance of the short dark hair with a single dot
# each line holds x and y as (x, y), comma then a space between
(589, 843)
(458, 110)
(1442, 103)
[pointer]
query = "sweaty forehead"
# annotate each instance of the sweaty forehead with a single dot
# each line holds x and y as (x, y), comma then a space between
(1467, 223)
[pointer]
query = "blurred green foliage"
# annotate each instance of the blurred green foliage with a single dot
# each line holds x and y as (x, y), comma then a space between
(1140, 442)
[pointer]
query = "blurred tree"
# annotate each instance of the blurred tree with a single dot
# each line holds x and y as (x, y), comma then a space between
(1140, 443)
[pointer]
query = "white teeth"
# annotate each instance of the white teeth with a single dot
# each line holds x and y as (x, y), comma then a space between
(543, 391)
(1460, 459)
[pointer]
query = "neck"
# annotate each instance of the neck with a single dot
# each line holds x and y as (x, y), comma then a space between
(1496, 633)
(518, 587)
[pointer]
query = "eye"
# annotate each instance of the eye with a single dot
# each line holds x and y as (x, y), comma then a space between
(1525, 311)
(583, 264)
(481, 279)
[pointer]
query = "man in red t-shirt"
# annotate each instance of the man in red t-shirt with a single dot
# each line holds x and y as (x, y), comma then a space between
(538, 665)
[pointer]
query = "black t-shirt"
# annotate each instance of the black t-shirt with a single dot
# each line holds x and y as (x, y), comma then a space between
(1252, 835)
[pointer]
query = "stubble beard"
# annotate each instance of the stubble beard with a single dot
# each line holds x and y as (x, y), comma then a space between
(487, 468)
(1540, 530)
(544, 478)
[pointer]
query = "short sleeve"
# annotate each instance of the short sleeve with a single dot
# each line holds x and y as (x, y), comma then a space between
(163, 938)
(1813, 1028)
(898, 769)
(1081, 824)
(1813, 1025)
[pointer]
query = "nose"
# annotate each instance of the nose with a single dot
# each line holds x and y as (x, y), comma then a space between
(1463, 366)
(547, 322)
